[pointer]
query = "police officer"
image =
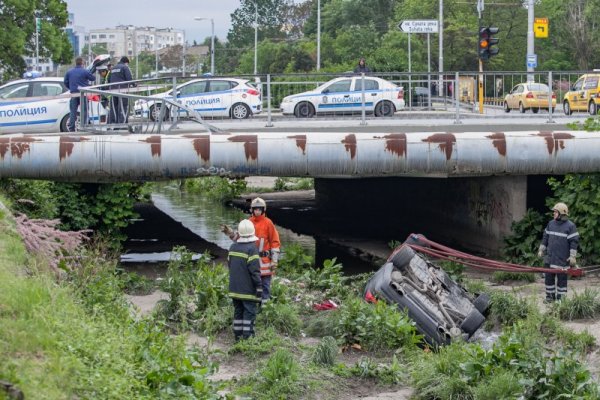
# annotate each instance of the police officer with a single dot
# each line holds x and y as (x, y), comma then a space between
(74, 79)
(559, 249)
(119, 105)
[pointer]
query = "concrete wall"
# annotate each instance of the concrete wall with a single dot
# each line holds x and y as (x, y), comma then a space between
(472, 213)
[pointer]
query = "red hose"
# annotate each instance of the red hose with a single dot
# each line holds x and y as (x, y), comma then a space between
(442, 252)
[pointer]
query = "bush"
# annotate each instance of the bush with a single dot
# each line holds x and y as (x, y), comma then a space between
(282, 317)
(506, 308)
(294, 260)
(216, 187)
(520, 247)
(278, 378)
(581, 305)
(326, 352)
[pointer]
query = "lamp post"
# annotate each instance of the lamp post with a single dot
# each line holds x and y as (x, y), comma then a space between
(255, 37)
(37, 42)
(318, 35)
(212, 43)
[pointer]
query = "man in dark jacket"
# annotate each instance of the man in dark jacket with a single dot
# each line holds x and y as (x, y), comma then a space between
(362, 68)
(120, 74)
(245, 286)
(74, 79)
(559, 249)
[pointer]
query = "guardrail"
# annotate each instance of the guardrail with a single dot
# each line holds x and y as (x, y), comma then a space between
(149, 106)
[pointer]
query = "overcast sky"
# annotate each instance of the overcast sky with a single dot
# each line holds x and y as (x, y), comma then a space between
(177, 14)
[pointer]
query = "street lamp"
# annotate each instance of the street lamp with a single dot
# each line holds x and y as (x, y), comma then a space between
(318, 35)
(255, 37)
(212, 43)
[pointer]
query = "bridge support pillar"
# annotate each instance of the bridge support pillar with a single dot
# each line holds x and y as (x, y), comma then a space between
(474, 213)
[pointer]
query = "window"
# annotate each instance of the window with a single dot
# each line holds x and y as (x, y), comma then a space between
(111, 36)
(94, 36)
(591, 82)
(578, 85)
(47, 89)
(102, 36)
(337, 87)
(370, 84)
(14, 91)
(219, 86)
(193, 88)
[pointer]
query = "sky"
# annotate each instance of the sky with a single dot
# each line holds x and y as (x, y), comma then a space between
(177, 14)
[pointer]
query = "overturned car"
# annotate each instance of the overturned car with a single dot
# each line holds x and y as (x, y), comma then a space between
(441, 308)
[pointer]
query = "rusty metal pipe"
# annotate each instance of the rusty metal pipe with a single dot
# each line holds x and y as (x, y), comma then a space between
(135, 157)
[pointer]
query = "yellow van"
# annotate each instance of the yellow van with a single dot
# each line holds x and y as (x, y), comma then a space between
(584, 95)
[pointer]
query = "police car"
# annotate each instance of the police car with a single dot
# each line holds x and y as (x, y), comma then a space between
(344, 94)
(210, 97)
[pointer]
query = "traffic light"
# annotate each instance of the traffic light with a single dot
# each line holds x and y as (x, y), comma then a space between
(486, 41)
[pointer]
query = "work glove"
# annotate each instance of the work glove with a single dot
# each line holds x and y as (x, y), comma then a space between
(541, 251)
(259, 293)
(273, 266)
(572, 258)
(228, 231)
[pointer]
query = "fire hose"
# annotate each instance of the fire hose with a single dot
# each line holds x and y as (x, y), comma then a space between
(421, 244)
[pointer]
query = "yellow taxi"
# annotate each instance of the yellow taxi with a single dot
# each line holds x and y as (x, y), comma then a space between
(584, 95)
(529, 96)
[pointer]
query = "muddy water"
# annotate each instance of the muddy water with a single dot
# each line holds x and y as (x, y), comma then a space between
(192, 220)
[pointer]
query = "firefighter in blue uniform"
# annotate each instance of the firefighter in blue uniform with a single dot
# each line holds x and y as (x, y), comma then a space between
(559, 249)
(245, 286)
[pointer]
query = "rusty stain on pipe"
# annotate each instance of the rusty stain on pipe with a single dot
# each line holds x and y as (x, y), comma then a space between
(250, 145)
(445, 140)
(499, 142)
(350, 145)
(155, 143)
(66, 143)
(19, 146)
(300, 142)
(396, 143)
(201, 145)
(4, 146)
(555, 141)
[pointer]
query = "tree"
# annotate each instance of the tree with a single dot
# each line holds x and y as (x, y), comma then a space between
(17, 36)
(271, 22)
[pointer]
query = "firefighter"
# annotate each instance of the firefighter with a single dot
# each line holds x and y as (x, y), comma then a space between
(245, 286)
(268, 244)
(559, 249)
(104, 72)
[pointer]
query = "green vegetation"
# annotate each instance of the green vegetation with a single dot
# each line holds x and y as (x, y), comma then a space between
(580, 305)
(504, 276)
(215, 187)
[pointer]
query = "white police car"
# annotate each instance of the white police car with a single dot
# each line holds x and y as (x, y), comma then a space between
(39, 105)
(344, 94)
(210, 97)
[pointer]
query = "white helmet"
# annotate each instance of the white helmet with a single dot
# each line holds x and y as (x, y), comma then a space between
(561, 208)
(246, 232)
(258, 202)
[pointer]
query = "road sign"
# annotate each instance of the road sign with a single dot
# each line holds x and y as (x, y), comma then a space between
(540, 27)
(419, 26)
(531, 60)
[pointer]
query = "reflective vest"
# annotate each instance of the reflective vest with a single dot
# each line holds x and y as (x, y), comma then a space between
(268, 240)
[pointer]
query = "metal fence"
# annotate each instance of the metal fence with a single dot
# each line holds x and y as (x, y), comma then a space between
(157, 105)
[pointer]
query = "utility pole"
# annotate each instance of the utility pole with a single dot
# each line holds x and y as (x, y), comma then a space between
(530, 39)
(255, 37)
(441, 48)
(318, 35)
(37, 41)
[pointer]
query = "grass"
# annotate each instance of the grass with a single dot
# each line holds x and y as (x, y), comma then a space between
(504, 276)
(581, 305)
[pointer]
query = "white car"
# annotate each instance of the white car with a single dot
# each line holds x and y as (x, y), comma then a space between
(38, 105)
(344, 94)
(210, 97)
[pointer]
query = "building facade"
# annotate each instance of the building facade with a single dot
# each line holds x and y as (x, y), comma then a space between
(130, 40)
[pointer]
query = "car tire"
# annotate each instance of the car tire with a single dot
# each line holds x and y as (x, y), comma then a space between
(240, 111)
(402, 257)
(472, 322)
(567, 108)
(482, 302)
(593, 108)
(64, 124)
(384, 109)
(535, 110)
(506, 107)
(304, 110)
(553, 110)
(154, 112)
(521, 108)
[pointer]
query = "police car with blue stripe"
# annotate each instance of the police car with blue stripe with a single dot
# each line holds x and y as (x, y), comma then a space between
(210, 97)
(345, 95)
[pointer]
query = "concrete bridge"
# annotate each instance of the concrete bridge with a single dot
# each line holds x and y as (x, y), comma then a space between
(496, 176)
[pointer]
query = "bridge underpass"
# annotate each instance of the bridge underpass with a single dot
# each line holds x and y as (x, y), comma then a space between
(469, 185)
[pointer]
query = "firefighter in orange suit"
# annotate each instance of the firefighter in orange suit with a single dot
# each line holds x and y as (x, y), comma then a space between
(268, 244)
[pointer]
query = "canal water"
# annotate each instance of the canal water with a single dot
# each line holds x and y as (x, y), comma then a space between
(193, 220)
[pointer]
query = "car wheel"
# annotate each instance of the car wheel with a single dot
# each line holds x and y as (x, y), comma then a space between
(384, 109)
(472, 322)
(154, 112)
(506, 107)
(593, 108)
(567, 108)
(402, 257)
(535, 110)
(304, 110)
(482, 302)
(521, 108)
(240, 111)
(64, 124)
(553, 110)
